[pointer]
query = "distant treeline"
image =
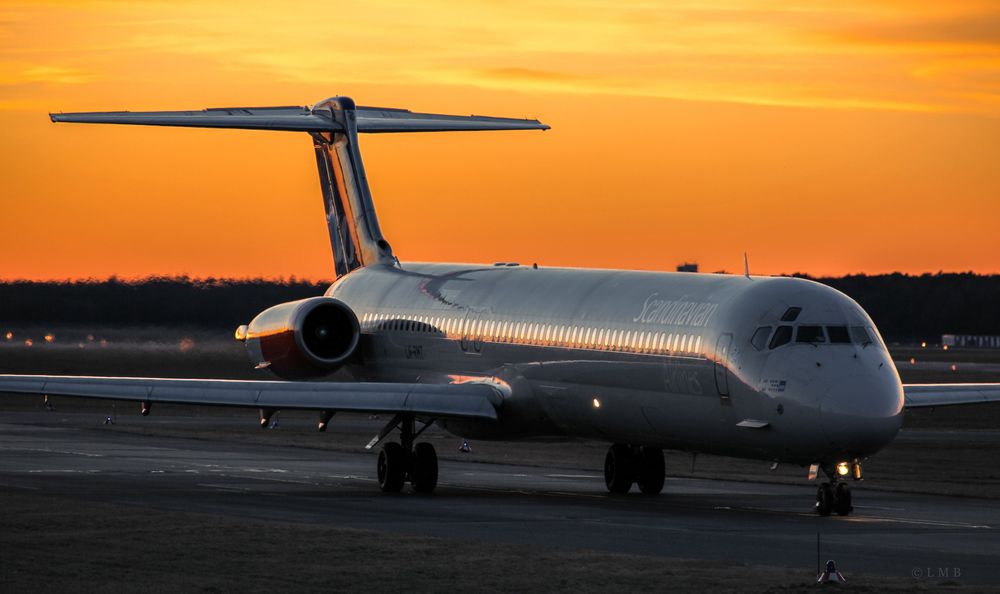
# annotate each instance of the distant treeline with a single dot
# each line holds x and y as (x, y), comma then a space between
(161, 301)
(913, 308)
(906, 308)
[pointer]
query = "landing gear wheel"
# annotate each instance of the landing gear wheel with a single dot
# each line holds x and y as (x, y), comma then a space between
(842, 499)
(651, 470)
(824, 499)
(424, 473)
(618, 468)
(391, 468)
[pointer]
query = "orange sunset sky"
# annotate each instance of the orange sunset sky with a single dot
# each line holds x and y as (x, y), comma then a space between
(823, 137)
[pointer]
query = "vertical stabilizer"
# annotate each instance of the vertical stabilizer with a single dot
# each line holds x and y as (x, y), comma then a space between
(350, 213)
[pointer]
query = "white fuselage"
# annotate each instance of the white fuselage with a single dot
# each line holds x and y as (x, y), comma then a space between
(694, 362)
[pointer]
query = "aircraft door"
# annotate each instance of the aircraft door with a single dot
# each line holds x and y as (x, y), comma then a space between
(721, 363)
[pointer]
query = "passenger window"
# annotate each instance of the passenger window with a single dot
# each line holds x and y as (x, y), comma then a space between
(810, 334)
(759, 339)
(838, 334)
(791, 314)
(860, 336)
(782, 336)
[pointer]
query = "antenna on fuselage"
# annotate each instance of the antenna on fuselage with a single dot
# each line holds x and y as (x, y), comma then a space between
(746, 265)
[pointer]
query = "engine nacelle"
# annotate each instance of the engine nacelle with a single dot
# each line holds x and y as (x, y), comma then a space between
(302, 339)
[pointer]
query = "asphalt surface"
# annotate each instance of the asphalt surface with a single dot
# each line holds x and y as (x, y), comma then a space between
(893, 534)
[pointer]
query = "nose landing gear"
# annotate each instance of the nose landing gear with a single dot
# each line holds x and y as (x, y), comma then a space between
(626, 464)
(835, 496)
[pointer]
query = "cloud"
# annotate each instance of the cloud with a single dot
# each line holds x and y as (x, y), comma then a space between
(55, 75)
(968, 30)
(14, 73)
(528, 74)
(877, 54)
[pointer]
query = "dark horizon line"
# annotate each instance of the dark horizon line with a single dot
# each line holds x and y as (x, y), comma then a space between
(294, 279)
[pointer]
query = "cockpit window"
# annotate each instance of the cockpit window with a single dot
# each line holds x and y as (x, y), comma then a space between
(861, 336)
(838, 334)
(791, 314)
(781, 336)
(810, 334)
(759, 339)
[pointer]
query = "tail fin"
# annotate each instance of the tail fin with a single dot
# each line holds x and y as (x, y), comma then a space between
(334, 125)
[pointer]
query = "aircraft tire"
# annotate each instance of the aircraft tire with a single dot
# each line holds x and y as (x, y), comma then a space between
(652, 471)
(842, 499)
(824, 499)
(391, 468)
(619, 472)
(425, 468)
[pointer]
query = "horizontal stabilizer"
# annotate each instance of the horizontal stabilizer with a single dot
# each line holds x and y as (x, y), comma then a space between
(302, 119)
(374, 119)
(294, 119)
(474, 401)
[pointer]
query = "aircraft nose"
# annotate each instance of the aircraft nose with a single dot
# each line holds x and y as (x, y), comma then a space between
(862, 414)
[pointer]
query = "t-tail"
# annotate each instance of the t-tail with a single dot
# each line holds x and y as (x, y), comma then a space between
(334, 125)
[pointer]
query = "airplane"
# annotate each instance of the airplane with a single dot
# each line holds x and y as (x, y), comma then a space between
(778, 369)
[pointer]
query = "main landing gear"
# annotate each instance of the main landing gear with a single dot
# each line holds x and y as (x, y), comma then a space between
(626, 464)
(835, 496)
(404, 461)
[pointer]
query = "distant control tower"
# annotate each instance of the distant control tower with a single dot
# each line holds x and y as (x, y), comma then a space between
(687, 267)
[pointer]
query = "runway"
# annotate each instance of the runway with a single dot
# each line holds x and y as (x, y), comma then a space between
(892, 534)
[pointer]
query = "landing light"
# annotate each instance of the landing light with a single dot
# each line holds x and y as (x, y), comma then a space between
(597, 403)
(843, 468)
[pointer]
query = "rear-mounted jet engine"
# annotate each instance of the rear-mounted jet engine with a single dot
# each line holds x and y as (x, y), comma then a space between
(302, 339)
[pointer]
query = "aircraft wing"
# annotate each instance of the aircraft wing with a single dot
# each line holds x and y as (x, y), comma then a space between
(928, 395)
(302, 119)
(469, 400)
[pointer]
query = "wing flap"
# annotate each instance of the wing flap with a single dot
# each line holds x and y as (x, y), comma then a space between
(928, 395)
(468, 400)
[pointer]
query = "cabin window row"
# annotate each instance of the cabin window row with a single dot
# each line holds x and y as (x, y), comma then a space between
(539, 334)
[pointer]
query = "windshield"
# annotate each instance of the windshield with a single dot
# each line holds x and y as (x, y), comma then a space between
(814, 335)
(810, 334)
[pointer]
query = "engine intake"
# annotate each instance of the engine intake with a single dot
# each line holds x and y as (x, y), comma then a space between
(302, 339)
